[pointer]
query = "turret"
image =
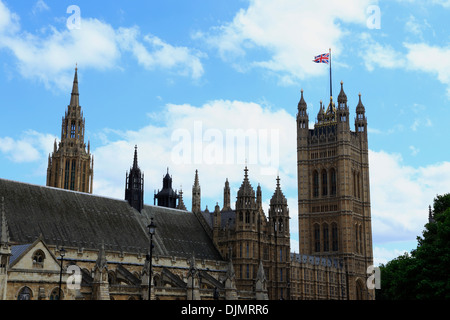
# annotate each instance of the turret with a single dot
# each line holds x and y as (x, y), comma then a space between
(342, 110)
(361, 121)
(302, 116)
(196, 194)
(134, 185)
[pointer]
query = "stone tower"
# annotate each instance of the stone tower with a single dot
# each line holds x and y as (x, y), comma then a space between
(281, 243)
(333, 190)
(134, 185)
(70, 166)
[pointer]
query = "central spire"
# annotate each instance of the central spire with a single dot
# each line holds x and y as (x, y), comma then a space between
(74, 99)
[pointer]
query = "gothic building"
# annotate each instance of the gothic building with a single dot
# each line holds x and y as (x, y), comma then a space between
(258, 245)
(333, 190)
(70, 166)
(228, 253)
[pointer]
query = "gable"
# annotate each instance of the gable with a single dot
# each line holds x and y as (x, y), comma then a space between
(33, 256)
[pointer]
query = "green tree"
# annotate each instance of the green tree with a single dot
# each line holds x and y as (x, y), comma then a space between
(423, 274)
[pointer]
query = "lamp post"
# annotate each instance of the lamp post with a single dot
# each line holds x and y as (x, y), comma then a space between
(62, 253)
(151, 230)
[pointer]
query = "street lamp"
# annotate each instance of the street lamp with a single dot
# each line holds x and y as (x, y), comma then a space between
(151, 230)
(62, 253)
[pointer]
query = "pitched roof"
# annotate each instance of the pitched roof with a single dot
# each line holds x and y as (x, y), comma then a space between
(75, 219)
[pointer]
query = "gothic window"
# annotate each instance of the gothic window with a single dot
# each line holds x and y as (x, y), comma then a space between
(72, 129)
(248, 271)
(72, 175)
(358, 188)
(25, 294)
(315, 184)
(66, 175)
(333, 181)
(240, 217)
(247, 217)
(360, 240)
(325, 238)
(354, 184)
(38, 259)
(83, 180)
(248, 250)
(316, 238)
(324, 183)
(334, 237)
(356, 239)
(54, 295)
(281, 255)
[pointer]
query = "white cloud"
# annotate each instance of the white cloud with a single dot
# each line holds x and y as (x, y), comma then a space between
(205, 138)
(400, 195)
(431, 59)
(40, 6)
(292, 32)
(376, 54)
(32, 146)
(50, 56)
(186, 61)
(383, 255)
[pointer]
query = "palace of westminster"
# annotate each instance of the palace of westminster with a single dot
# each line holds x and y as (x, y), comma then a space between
(61, 241)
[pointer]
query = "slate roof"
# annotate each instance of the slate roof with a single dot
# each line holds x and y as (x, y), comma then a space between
(75, 219)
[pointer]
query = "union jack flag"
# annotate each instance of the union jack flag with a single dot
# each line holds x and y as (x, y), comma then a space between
(322, 58)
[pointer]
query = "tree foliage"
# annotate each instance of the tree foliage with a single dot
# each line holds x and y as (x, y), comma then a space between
(423, 274)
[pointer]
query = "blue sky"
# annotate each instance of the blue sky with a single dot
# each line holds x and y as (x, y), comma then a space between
(184, 77)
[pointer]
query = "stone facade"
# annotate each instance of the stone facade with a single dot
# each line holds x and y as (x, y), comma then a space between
(333, 190)
(227, 253)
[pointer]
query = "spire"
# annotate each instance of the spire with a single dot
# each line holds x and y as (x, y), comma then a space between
(181, 205)
(196, 183)
(74, 99)
(278, 196)
(134, 185)
(246, 194)
(342, 97)
(196, 197)
(135, 160)
(360, 107)
(101, 263)
(302, 102)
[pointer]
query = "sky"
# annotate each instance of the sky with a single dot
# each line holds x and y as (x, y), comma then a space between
(214, 86)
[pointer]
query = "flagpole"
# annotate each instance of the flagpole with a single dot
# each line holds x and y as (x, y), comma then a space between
(331, 88)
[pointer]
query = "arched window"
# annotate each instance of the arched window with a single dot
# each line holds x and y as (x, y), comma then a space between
(356, 238)
(324, 183)
(38, 259)
(334, 237)
(54, 295)
(25, 294)
(360, 240)
(316, 238)
(358, 187)
(326, 239)
(72, 130)
(333, 181)
(315, 184)
(247, 217)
